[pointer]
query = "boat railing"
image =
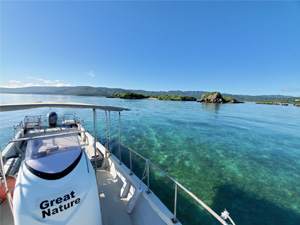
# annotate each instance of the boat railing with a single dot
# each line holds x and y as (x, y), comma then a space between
(73, 117)
(80, 121)
(177, 184)
(32, 121)
(36, 121)
(17, 128)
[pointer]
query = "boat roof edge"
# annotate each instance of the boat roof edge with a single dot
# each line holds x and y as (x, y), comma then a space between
(32, 105)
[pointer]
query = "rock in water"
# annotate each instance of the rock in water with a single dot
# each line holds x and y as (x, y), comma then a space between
(213, 97)
(216, 97)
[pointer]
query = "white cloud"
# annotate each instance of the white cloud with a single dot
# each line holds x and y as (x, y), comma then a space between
(55, 83)
(32, 85)
(41, 82)
(41, 79)
(40, 85)
(14, 82)
(91, 73)
(48, 82)
(62, 85)
(35, 78)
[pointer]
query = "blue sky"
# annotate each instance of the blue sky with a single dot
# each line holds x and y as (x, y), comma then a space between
(237, 47)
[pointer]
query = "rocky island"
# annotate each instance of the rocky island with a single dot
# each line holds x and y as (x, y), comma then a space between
(161, 97)
(129, 96)
(176, 98)
(267, 103)
(216, 97)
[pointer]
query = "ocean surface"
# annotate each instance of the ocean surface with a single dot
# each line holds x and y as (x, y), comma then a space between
(242, 157)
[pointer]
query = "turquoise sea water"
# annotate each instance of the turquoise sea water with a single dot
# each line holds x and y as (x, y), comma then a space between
(242, 157)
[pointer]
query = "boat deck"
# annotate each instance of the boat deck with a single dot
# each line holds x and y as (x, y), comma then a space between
(5, 214)
(112, 206)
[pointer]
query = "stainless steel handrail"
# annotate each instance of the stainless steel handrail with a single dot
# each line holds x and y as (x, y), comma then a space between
(33, 119)
(46, 136)
(174, 219)
(75, 118)
(18, 127)
(78, 119)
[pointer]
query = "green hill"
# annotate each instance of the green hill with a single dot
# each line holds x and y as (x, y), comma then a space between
(107, 92)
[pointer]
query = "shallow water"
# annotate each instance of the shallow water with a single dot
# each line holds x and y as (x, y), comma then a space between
(242, 157)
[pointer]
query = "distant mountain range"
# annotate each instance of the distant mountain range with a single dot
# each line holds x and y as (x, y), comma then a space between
(107, 92)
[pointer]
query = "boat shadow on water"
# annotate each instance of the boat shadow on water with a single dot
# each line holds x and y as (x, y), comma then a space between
(246, 209)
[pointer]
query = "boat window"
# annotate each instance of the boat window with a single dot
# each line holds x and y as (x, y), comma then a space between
(52, 155)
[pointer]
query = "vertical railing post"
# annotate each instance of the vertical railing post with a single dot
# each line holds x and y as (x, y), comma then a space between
(95, 139)
(83, 133)
(109, 143)
(148, 180)
(174, 220)
(130, 162)
(22, 129)
(106, 134)
(120, 158)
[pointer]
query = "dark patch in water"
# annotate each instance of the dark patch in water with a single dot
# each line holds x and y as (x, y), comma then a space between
(246, 209)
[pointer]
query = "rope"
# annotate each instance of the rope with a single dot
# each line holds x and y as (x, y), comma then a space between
(225, 216)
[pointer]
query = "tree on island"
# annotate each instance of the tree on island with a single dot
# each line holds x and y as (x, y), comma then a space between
(176, 98)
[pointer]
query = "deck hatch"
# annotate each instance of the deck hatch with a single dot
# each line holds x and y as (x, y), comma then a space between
(53, 157)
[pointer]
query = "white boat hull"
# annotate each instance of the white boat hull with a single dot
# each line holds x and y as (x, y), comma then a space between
(72, 199)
